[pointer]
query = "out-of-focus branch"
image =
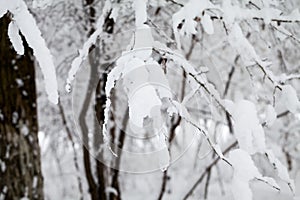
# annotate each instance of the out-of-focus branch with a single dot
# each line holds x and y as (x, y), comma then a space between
(70, 137)
(174, 2)
(228, 81)
(178, 121)
(207, 183)
(115, 171)
(207, 169)
(286, 34)
(171, 137)
(230, 126)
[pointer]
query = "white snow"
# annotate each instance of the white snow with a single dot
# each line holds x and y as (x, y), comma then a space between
(3, 8)
(3, 166)
(207, 24)
(295, 15)
(15, 117)
(24, 93)
(164, 155)
(247, 128)
(19, 82)
(141, 104)
(34, 182)
(25, 22)
(143, 42)
(15, 38)
(83, 53)
(245, 171)
(140, 7)
(281, 170)
(1, 115)
(290, 99)
(243, 47)
(24, 130)
(111, 190)
(187, 14)
(271, 115)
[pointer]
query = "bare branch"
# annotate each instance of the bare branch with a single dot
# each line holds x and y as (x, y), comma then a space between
(70, 137)
(190, 192)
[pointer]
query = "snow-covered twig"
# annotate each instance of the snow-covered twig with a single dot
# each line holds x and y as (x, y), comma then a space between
(83, 53)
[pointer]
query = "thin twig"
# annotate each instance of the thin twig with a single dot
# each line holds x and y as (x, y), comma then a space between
(75, 157)
(286, 34)
(190, 192)
(171, 137)
(207, 183)
(176, 3)
(228, 81)
(283, 114)
(115, 171)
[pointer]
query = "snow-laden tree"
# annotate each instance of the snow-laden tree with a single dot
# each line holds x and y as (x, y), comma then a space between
(248, 116)
(211, 87)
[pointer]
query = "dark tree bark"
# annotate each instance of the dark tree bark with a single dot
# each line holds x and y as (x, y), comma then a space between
(20, 171)
(96, 184)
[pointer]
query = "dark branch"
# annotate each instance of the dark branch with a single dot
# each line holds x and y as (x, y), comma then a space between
(190, 192)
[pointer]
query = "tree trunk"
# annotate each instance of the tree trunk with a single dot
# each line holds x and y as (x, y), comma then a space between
(20, 167)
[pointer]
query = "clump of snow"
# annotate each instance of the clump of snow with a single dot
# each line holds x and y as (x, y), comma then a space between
(243, 47)
(271, 115)
(24, 130)
(15, 38)
(187, 14)
(140, 7)
(247, 128)
(245, 171)
(207, 24)
(290, 99)
(19, 82)
(137, 102)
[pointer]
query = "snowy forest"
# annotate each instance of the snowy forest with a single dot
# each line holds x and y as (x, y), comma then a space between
(149, 99)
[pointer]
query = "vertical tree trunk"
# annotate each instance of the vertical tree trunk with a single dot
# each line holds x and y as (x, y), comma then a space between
(96, 184)
(20, 167)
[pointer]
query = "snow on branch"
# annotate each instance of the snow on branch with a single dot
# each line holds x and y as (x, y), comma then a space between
(187, 14)
(248, 130)
(186, 19)
(182, 111)
(24, 21)
(290, 99)
(15, 38)
(245, 171)
(83, 53)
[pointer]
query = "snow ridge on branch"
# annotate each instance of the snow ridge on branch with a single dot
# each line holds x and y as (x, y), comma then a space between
(24, 22)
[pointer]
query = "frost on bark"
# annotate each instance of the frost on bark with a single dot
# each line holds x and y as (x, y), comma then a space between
(20, 171)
